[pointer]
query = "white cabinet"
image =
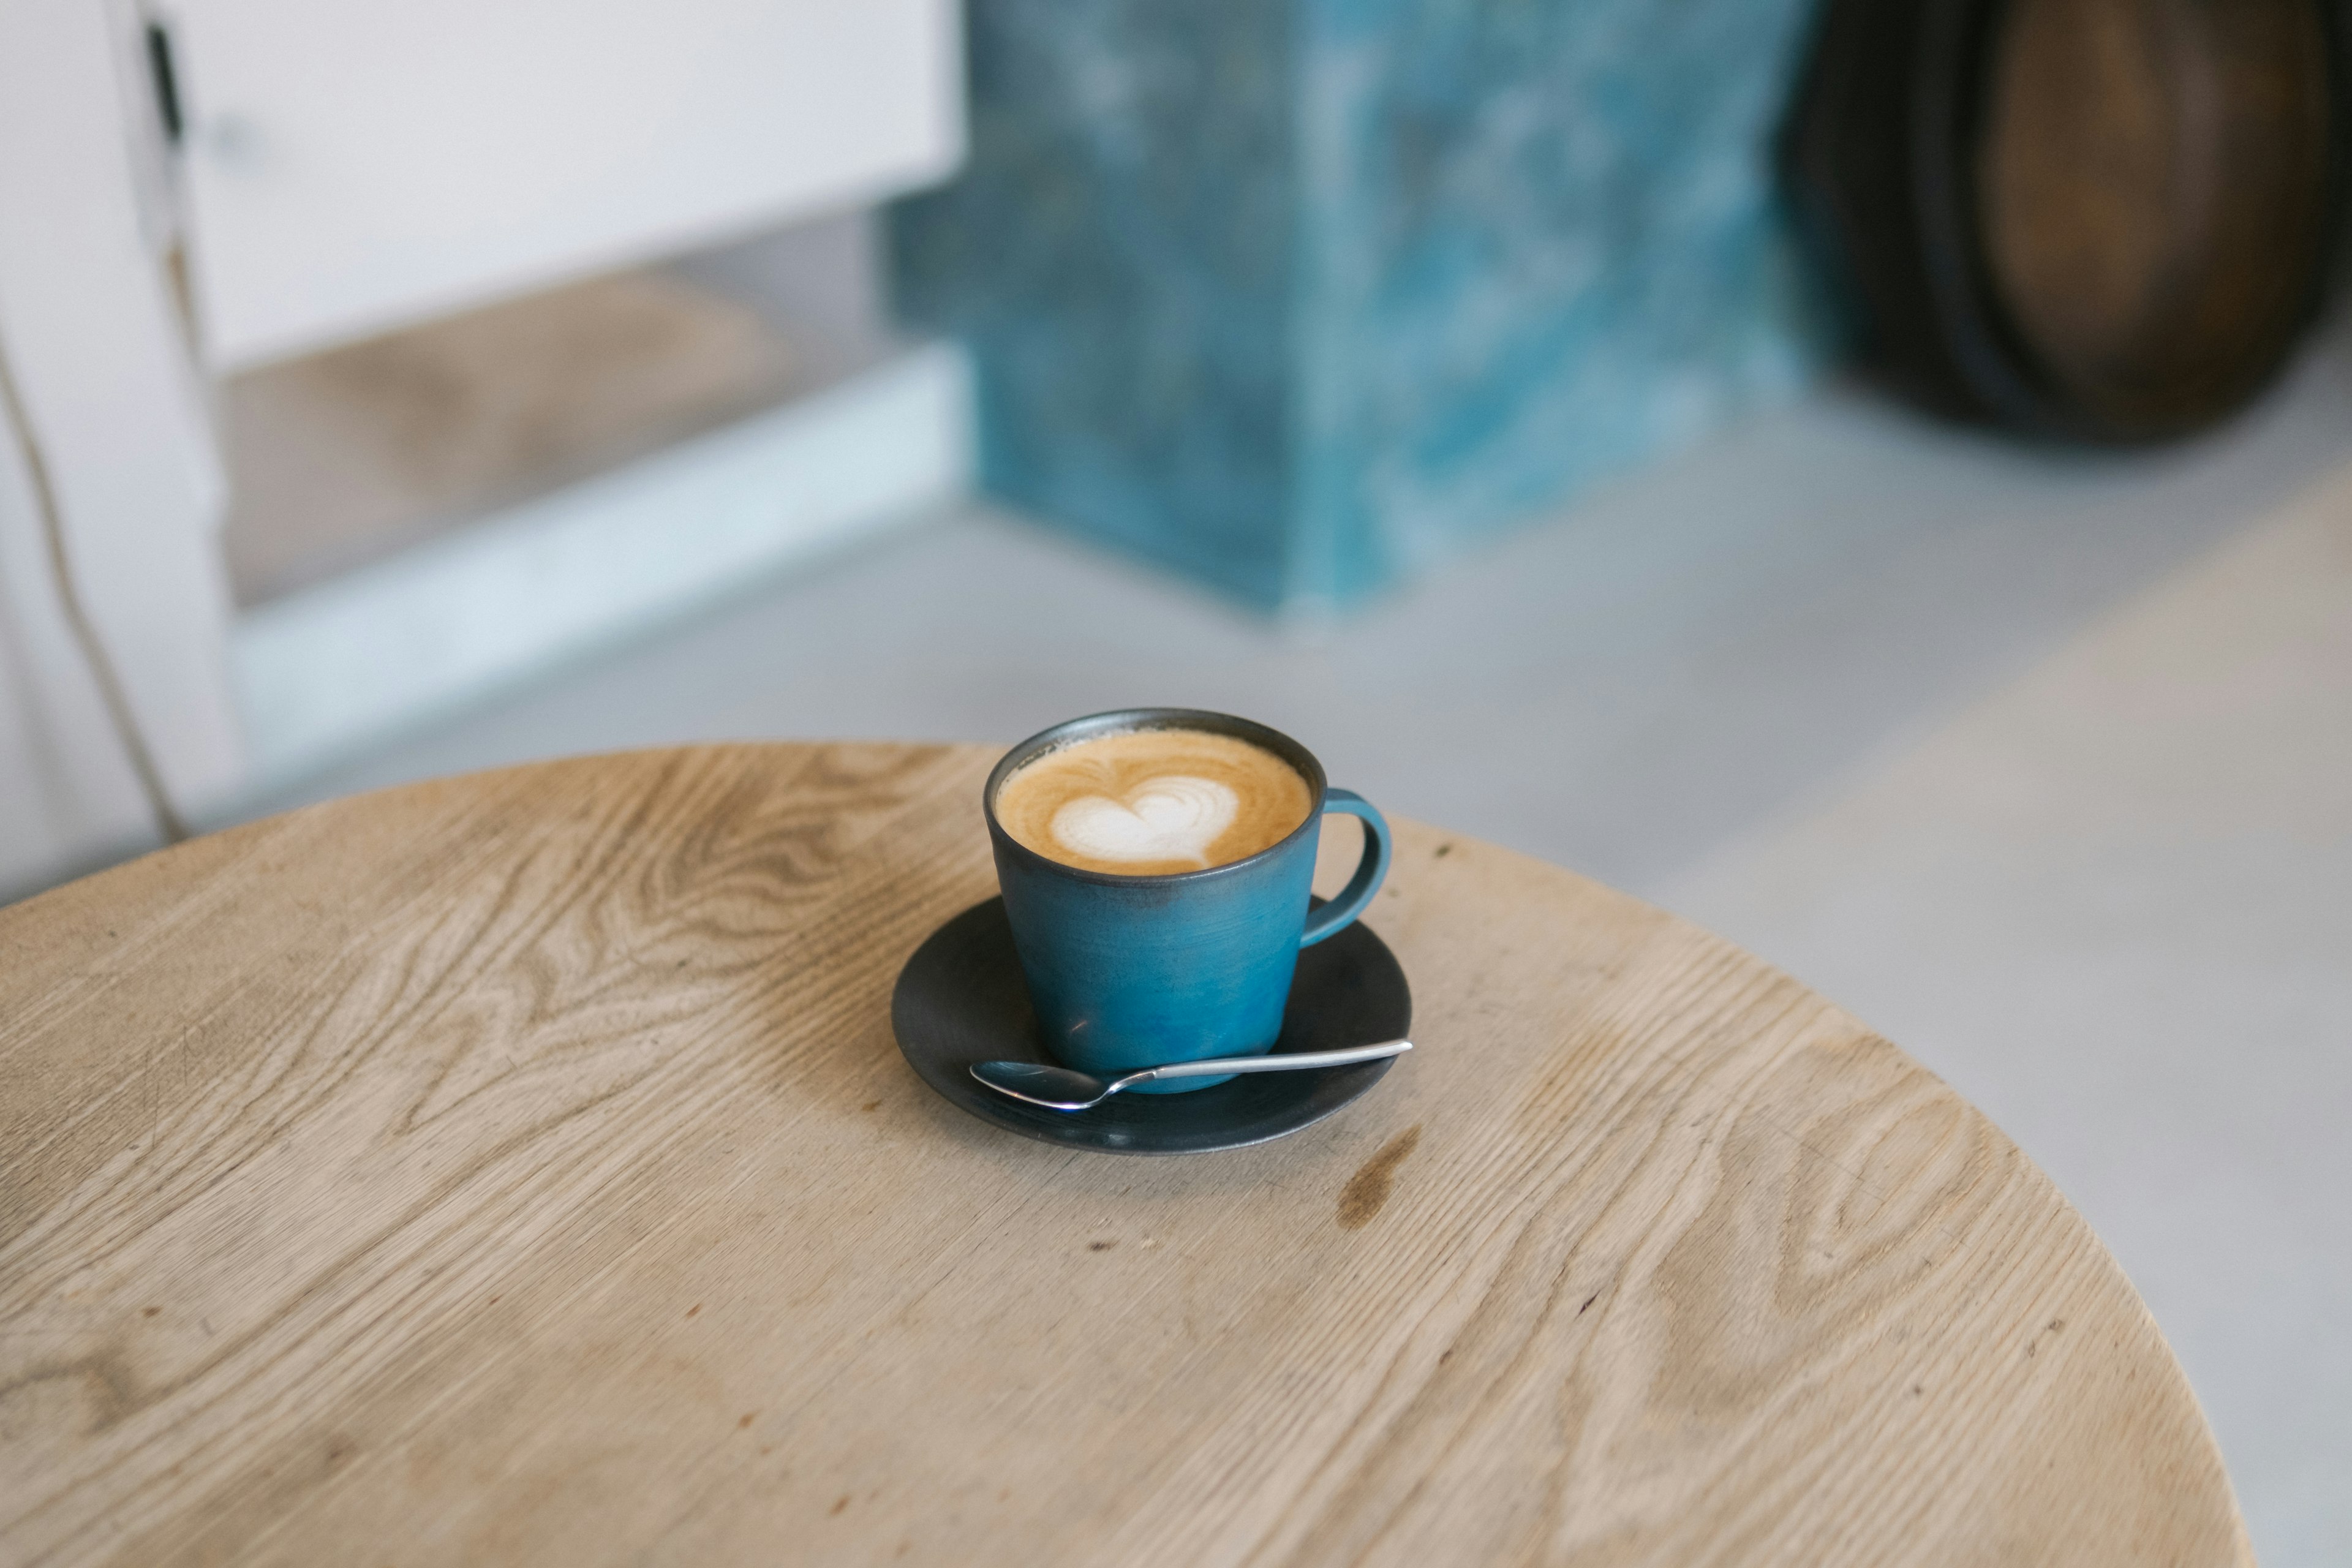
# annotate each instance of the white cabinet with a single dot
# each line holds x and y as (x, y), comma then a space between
(352, 165)
(106, 467)
(349, 166)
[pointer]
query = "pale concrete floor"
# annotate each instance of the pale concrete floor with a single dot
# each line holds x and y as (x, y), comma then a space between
(2037, 760)
(2112, 903)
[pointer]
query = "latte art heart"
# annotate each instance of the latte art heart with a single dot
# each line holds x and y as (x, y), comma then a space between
(1175, 817)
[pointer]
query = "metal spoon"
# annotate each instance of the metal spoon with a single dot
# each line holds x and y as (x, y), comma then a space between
(1061, 1088)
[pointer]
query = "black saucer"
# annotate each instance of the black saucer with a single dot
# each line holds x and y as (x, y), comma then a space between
(961, 999)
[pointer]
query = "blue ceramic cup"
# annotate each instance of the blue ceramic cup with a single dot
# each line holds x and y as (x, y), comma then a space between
(1133, 971)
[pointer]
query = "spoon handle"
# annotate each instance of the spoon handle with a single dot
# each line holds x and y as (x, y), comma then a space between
(1289, 1061)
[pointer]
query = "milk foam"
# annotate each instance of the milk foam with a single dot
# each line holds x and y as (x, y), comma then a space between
(1174, 819)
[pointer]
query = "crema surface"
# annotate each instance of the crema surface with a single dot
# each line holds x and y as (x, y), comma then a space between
(1149, 802)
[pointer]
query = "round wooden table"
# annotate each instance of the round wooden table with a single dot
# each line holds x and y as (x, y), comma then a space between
(519, 1169)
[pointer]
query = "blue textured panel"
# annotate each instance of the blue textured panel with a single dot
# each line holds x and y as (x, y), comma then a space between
(1301, 297)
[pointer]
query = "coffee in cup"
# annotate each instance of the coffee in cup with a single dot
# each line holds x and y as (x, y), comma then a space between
(1154, 800)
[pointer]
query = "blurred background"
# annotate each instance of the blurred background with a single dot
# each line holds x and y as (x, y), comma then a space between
(1874, 475)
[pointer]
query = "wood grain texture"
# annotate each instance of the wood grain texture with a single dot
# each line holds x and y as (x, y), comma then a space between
(518, 1169)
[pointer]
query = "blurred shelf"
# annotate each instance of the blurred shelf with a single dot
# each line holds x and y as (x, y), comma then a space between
(406, 637)
(346, 457)
(423, 517)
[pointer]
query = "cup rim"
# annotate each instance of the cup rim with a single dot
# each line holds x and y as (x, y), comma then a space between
(1121, 720)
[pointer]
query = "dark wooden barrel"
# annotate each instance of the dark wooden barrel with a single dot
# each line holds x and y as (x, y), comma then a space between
(2100, 219)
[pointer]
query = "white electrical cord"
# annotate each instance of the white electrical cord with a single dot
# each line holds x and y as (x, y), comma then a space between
(93, 650)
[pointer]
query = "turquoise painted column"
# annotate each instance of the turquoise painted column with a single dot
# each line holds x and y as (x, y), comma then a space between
(1301, 296)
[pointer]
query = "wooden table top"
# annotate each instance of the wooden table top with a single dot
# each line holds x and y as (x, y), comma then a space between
(519, 1169)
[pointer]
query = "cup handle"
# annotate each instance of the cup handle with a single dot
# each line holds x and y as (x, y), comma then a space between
(1371, 871)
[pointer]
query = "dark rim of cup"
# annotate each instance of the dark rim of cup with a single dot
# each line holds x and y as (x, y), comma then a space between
(1120, 721)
